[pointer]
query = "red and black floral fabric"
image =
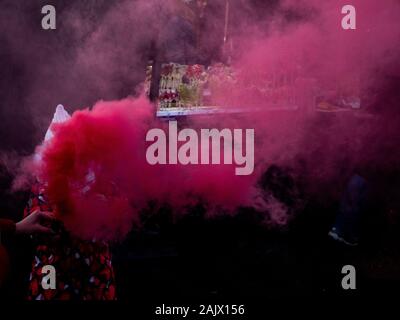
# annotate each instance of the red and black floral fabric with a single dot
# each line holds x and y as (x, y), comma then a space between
(83, 268)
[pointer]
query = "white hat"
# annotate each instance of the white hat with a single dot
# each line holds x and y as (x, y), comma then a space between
(60, 116)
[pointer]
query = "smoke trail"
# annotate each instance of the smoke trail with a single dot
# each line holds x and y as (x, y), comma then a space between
(98, 177)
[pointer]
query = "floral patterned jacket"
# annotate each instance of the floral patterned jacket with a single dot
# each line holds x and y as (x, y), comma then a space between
(83, 268)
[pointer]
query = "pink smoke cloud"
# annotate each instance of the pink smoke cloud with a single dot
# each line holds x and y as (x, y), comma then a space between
(98, 177)
(311, 47)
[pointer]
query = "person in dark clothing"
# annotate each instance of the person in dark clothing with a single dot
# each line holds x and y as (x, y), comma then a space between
(32, 224)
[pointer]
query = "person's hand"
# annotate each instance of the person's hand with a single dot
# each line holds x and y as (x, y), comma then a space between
(34, 223)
